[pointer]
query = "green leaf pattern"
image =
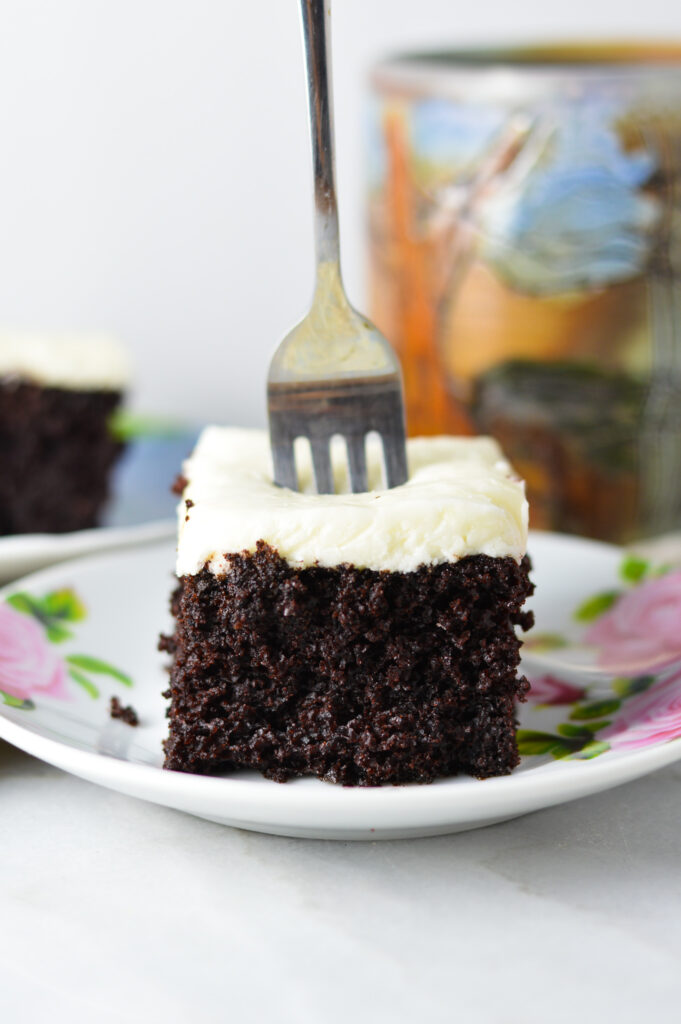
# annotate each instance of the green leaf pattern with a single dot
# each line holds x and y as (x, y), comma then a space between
(99, 667)
(594, 606)
(16, 702)
(82, 680)
(634, 569)
(51, 611)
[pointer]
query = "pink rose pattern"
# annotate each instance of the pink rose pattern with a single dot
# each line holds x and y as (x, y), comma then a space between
(30, 627)
(28, 664)
(638, 638)
(629, 722)
(549, 690)
(641, 633)
(651, 717)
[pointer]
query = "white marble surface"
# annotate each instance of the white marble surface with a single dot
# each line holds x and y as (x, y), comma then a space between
(116, 910)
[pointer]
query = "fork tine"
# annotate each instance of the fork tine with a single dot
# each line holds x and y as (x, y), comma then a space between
(395, 460)
(284, 465)
(320, 398)
(321, 460)
(357, 461)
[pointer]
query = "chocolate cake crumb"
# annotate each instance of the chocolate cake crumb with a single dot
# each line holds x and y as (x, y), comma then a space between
(351, 675)
(56, 456)
(179, 484)
(126, 714)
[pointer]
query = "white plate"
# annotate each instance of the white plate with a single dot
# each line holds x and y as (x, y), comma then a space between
(28, 552)
(114, 606)
(141, 509)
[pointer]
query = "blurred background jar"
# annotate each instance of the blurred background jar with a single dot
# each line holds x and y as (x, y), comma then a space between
(525, 259)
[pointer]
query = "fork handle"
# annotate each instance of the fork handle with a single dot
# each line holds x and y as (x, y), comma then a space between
(316, 19)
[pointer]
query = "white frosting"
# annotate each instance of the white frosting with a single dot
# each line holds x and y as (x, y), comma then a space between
(461, 498)
(76, 362)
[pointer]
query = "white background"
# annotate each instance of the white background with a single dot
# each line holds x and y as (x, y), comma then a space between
(155, 168)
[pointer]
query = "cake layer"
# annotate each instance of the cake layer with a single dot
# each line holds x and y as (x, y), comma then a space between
(350, 675)
(72, 361)
(56, 457)
(462, 498)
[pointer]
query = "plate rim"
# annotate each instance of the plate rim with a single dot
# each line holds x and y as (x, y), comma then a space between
(443, 802)
(23, 544)
(261, 801)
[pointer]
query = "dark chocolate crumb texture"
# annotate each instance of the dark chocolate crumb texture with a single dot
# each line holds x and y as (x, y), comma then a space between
(356, 676)
(56, 455)
(126, 713)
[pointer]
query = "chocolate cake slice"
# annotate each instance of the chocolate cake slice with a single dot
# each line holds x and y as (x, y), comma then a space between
(360, 638)
(57, 450)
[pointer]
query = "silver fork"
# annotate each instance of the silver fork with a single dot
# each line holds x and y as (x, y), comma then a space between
(334, 373)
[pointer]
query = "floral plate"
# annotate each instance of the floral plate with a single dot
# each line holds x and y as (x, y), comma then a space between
(141, 507)
(75, 635)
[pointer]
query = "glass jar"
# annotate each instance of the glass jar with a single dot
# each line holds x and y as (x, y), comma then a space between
(525, 260)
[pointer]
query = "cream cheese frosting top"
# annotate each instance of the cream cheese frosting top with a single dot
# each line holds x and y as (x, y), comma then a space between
(75, 362)
(461, 498)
